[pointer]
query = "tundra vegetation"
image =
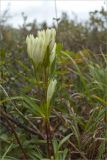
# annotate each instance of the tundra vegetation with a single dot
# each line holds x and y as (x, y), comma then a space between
(53, 89)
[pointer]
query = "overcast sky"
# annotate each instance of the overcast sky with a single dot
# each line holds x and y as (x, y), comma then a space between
(44, 10)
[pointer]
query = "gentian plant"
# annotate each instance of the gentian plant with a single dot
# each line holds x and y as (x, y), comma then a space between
(42, 52)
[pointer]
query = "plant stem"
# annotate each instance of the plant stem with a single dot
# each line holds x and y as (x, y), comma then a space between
(49, 142)
(47, 118)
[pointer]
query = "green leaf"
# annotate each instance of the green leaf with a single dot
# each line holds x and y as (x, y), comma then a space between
(33, 107)
(8, 149)
(64, 140)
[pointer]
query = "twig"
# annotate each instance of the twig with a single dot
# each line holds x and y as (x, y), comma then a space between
(19, 124)
(15, 134)
(82, 155)
(25, 118)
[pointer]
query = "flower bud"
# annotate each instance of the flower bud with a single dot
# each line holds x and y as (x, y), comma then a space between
(53, 53)
(51, 90)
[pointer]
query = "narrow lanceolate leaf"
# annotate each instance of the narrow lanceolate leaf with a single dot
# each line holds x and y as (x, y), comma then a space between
(33, 107)
(64, 140)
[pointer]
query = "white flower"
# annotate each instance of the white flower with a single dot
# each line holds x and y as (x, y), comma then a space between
(30, 45)
(51, 90)
(53, 53)
(37, 47)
